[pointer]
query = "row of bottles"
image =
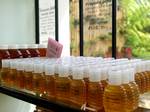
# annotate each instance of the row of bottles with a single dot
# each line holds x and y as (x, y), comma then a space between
(90, 83)
(22, 51)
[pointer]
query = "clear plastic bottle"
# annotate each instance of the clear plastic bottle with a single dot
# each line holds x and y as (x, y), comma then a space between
(115, 96)
(62, 84)
(19, 83)
(28, 75)
(135, 87)
(129, 91)
(104, 77)
(24, 50)
(95, 91)
(33, 49)
(38, 79)
(12, 72)
(77, 88)
(14, 52)
(50, 81)
(42, 49)
(5, 71)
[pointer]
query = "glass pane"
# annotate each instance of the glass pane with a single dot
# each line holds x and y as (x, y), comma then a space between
(47, 20)
(133, 28)
(74, 27)
(97, 28)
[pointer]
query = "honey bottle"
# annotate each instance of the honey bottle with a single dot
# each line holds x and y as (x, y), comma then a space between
(14, 52)
(19, 83)
(28, 75)
(77, 88)
(42, 49)
(129, 91)
(24, 50)
(5, 71)
(50, 81)
(4, 54)
(134, 86)
(115, 97)
(33, 49)
(95, 91)
(104, 77)
(62, 85)
(12, 73)
(38, 79)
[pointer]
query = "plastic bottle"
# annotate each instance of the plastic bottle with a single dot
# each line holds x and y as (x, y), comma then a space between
(62, 84)
(24, 50)
(28, 75)
(129, 91)
(115, 97)
(77, 88)
(104, 77)
(33, 49)
(95, 91)
(19, 83)
(38, 79)
(4, 54)
(42, 49)
(135, 87)
(12, 73)
(5, 71)
(14, 52)
(50, 81)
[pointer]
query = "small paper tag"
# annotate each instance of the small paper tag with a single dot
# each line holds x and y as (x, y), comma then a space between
(54, 49)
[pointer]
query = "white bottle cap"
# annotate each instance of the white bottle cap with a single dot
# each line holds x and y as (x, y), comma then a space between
(125, 76)
(32, 46)
(77, 73)
(13, 64)
(49, 69)
(22, 46)
(104, 73)
(42, 45)
(4, 47)
(20, 66)
(5, 63)
(131, 74)
(13, 46)
(29, 67)
(95, 75)
(115, 78)
(38, 68)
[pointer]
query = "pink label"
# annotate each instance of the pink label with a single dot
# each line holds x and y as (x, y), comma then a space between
(54, 48)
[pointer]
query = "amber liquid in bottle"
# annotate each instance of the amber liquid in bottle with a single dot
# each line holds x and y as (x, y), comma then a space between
(77, 92)
(28, 83)
(115, 96)
(33, 50)
(138, 80)
(11, 78)
(42, 52)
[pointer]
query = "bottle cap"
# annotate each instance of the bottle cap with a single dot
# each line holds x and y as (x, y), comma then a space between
(38, 68)
(77, 73)
(13, 64)
(42, 45)
(22, 46)
(20, 66)
(13, 46)
(49, 69)
(32, 46)
(4, 47)
(125, 76)
(29, 67)
(131, 74)
(86, 71)
(115, 78)
(104, 73)
(5, 63)
(95, 75)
